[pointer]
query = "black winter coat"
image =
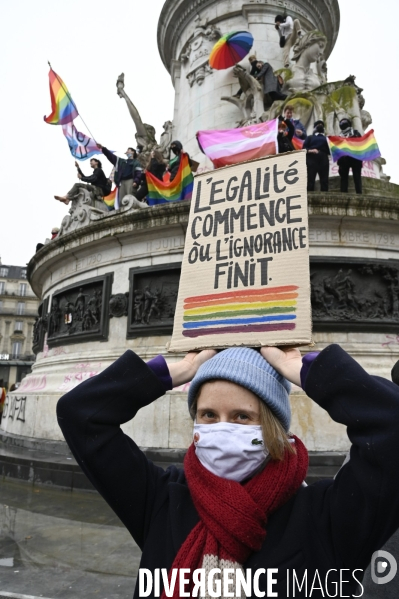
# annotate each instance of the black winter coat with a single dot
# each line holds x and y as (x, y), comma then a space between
(332, 525)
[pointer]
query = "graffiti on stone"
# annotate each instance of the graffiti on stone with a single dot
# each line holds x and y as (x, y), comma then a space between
(14, 408)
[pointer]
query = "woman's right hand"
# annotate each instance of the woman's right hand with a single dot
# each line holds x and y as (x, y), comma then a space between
(184, 371)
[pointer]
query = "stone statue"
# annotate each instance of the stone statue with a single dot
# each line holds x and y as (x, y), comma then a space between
(309, 49)
(166, 139)
(312, 96)
(145, 134)
(251, 106)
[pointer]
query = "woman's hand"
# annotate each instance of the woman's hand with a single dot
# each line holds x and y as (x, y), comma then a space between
(287, 361)
(185, 370)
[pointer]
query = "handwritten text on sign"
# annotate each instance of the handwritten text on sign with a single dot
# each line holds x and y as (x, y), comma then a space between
(245, 272)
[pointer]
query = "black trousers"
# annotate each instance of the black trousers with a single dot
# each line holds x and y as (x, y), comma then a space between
(344, 165)
(141, 193)
(318, 164)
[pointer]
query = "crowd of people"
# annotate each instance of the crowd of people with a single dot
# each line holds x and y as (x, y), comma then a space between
(128, 174)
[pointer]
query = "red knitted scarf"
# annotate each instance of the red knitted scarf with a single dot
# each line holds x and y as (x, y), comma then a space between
(233, 516)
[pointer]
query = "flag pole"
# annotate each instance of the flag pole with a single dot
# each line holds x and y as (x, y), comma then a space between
(70, 98)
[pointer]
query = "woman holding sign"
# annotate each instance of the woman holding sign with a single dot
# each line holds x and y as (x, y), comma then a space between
(239, 518)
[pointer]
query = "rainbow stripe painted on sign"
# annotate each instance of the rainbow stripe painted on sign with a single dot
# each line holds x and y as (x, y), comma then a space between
(244, 311)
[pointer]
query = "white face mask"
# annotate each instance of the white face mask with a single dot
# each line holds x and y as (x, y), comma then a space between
(232, 451)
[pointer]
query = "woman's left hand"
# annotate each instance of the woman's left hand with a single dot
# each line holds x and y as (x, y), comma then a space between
(287, 361)
(185, 370)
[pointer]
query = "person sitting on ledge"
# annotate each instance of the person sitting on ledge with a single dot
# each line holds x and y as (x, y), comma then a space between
(97, 183)
(241, 505)
(127, 170)
(317, 157)
(271, 83)
(300, 130)
(345, 163)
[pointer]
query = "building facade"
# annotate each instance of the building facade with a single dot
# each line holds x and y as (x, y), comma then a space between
(18, 310)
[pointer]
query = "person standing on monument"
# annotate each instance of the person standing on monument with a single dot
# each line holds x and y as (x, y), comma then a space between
(127, 170)
(317, 157)
(95, 183)
(345, 163)
(285, 134)
(156, 166)
(300, 130)
(289, 30)
(177, 149)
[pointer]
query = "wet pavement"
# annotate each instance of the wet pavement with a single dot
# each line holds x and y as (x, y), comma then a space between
(62, 544)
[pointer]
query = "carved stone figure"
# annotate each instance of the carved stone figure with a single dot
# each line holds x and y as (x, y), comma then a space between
(166, 139)
(196, 51)
(145, 134)
(309, 49)
(84, 208)
(118, 305)
(251, 105)
(138, 305)
(80, 305)
(54, 318)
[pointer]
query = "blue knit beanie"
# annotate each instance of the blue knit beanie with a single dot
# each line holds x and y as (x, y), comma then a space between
(247, 367)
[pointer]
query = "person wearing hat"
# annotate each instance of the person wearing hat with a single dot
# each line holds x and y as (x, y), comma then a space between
(317, 157)
(240, 505)
(345, 163)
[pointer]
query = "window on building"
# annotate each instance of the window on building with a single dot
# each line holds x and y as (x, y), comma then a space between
(16, 349)
(21, 308)
(22, 288)
(3, 271)
(23, 273)
(18, 325)
(2, 287)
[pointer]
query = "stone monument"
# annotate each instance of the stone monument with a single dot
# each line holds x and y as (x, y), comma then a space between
(109, 281)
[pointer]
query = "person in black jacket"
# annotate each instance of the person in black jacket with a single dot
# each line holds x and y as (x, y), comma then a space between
(345, 163)
(270, 83)
(97, 183)
(317, 157)
(156, 166)
(324, 533)
(286, 130)
(127, 170)
(177, 149)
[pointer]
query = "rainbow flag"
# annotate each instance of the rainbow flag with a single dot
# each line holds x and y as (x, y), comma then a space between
(231, 146)
(111, 199)
(244, 311)
(63, 108)
(181, 188)
(362, 148)
(297, 143)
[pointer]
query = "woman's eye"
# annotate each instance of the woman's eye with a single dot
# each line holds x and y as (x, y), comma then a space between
(209, 415)
(242, 417)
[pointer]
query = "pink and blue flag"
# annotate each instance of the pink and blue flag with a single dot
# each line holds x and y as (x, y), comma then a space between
(81, 145)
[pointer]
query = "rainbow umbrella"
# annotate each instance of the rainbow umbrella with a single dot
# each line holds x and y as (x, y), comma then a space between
(230, 49)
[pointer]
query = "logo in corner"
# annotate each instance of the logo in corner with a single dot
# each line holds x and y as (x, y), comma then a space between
(383, 567)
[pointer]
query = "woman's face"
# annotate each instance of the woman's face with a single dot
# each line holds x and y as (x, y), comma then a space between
(315, 51)
(223, 401)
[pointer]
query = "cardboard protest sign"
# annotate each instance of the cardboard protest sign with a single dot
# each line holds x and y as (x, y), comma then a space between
(245, 272)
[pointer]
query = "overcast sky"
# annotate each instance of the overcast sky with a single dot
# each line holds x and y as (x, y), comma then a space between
(89, 44)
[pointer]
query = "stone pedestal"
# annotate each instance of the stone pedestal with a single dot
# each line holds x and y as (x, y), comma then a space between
(354, 243)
